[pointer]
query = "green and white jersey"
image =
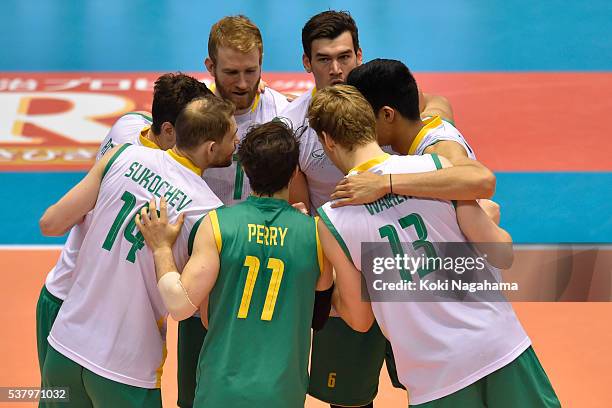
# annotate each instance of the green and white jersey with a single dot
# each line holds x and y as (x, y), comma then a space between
(130, 128)
(439, 347)
(255, 353)
(230, 184)
(322, 175)
(113, 321)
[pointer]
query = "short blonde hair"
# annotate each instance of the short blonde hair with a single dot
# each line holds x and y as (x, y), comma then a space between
(236, 32)
(344, 114)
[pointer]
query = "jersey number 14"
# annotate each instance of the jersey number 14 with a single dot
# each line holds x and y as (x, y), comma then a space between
(130, 233)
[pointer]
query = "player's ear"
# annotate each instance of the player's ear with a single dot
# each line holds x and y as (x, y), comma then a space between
(210, 66)
(167, 128)
(387, 113)
(359, 56)
(168, 136)
(327, 141)
(211, 146)
(306, 63)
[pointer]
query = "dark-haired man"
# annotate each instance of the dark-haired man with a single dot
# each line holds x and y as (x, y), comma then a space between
(170, 95)
(392, 91)
(345, 365)
(253, 273)
(108, 341)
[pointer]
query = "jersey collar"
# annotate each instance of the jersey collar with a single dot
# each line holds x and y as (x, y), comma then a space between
(146, 142)
(365, 166)
(430, 123)
(185, 162)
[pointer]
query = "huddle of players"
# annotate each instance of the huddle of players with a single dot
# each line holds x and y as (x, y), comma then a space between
(252, 269)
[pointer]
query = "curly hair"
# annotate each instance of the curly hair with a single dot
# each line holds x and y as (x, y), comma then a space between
(269, 154)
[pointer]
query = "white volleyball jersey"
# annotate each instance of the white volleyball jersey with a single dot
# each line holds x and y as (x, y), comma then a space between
(230, 184)
(130, 128)
(439, 347)
(320, 172)
(436, 130)
(113, 321)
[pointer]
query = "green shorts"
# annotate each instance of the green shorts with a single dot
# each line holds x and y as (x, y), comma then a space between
(190, 338)
(391, 368)
(345, 364)
(47, 308)
(88, 390)
(522, 383)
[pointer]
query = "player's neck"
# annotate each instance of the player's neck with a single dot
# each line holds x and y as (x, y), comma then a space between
(195, 159)
(240, 112)
(281, 194)
(406, 132)
(360, 155)
(151, 136)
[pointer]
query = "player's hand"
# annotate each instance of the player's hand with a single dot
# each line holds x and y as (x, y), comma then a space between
(262, 86)
(491, 208)
(155, 227)
(301, 207)
(361, 188)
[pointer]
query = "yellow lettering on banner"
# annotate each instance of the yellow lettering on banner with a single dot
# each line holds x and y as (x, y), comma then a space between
(252, 229)
(283, 232)
(77, 123)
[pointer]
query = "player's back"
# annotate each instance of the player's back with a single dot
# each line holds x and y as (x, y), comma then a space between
(438, 345)
(260, 309)
(130, 128)
(113, 321)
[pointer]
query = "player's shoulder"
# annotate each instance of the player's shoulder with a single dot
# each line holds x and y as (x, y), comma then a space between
(130, 150)
(135, 118)
(412, 163)
(128, 127)
(298, 109)
(448, 127)
(274, 100)
(330, 215)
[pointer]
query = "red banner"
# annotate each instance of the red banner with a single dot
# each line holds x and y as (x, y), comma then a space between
(56, 121)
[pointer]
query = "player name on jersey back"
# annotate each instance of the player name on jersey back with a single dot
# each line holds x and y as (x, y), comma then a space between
(156, 185)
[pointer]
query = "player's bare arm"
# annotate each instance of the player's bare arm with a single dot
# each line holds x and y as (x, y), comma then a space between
(347, 293)
(479, 229)
(437, 105)
(466, 180)
(77, 202)
(457, 155)
(182, 291)
(298, 189)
